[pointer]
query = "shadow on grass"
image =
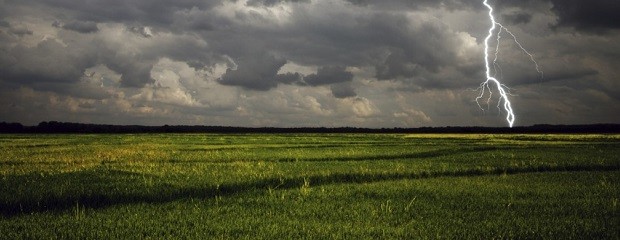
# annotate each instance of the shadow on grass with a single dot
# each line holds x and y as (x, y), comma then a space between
(442, 152)
(426, 154)
(103, 186)
(365, 157)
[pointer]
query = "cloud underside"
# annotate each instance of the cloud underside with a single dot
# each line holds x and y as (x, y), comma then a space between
(302, 62)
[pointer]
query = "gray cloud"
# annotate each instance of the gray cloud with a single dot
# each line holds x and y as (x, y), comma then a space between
(141, 30)
(20, 31)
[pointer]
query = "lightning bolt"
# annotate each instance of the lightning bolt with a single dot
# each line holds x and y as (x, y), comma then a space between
(503, 90)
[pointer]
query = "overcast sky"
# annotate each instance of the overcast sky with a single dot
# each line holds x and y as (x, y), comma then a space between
(288, 63)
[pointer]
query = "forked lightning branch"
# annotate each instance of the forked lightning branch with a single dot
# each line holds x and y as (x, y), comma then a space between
(491, 80)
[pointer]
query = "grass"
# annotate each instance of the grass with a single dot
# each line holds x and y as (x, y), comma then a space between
(309, 186)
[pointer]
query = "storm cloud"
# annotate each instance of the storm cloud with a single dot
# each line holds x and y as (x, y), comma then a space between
(258, 72)
(81, 27)
(394, 63)
(589, 16)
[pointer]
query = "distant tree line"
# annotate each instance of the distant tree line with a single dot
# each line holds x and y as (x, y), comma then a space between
(67, 127)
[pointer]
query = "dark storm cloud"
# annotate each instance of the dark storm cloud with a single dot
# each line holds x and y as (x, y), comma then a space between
(78, 26)
(272, 2)
(79, 89)
(397, 65)
(289, 78)
(48, 61)
(19, 31)
(133, 73)
(343, 90)
(152, 11)
(359, 40)
(424, 43)
(416, 4)
(563, 75)
(258, 72)
(517, 18)
(135, 68)
(589, 15)
(337, 40)
(593, 16)
(329, 75)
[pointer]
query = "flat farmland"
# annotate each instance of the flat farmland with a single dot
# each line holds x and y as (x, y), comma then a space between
(335, 186)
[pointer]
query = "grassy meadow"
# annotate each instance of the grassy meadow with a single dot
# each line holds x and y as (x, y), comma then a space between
(334, 186)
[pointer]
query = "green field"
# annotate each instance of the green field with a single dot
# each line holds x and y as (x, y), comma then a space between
(266, 186)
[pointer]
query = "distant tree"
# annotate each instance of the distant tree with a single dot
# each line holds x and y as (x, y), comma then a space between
(65, 127)
(11, 127)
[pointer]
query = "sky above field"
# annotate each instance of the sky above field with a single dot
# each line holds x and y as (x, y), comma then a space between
(288, 63)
